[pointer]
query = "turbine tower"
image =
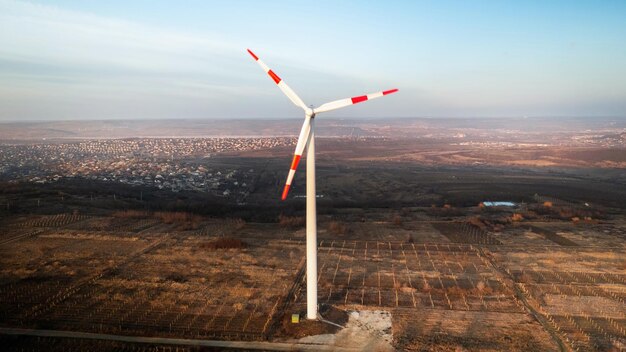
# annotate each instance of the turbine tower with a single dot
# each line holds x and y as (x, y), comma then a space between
(307, 139)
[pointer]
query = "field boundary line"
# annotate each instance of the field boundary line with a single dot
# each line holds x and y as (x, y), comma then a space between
(249, 345)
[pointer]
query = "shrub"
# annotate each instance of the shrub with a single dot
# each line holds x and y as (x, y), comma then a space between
(224, 243)
(517, 217)
(524, 278)
(480, 286)
(337, 228)
(397, 220)
(176, 277)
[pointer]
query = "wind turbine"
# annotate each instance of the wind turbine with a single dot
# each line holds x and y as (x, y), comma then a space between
(307, 139)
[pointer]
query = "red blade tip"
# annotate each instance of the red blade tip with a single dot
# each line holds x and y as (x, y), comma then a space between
(254, 56)
(390, 91)
(285, 192)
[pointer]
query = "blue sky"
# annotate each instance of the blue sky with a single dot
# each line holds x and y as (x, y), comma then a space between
(187, 59)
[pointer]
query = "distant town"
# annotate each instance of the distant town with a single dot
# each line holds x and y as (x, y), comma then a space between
(51, 151)
(174, 164)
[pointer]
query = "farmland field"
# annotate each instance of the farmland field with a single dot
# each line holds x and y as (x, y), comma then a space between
(410, 242)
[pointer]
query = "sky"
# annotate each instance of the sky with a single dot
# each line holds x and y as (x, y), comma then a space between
(91, 59)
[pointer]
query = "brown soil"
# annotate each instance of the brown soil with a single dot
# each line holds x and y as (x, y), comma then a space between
(312, 327)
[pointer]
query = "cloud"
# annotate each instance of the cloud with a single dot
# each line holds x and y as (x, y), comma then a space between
(51, 57)
(58, 63)
(45, 34)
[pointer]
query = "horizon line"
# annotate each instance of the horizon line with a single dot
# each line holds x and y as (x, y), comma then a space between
(26, 121)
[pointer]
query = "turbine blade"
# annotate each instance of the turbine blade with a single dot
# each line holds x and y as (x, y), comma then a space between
(338, 104)
(281, 84)
(303, 138)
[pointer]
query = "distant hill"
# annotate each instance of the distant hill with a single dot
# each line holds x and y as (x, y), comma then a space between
(325, 127)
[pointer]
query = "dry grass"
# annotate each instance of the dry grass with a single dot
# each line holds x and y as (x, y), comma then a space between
(446, 211)
(184, 220)
(291, 221)
(176, 217)
(476, 221)
(407, 289)
(455, 291)
(482, 289)
(131, 214)
(239, 224)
